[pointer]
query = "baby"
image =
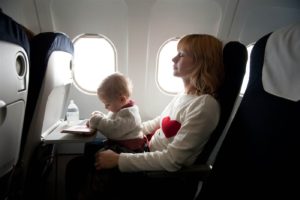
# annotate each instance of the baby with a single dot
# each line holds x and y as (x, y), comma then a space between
(122, 125)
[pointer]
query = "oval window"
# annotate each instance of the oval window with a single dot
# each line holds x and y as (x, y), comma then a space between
(164, 74)
(94, 59)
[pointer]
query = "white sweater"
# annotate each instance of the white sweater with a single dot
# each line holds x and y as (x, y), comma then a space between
(183, 129)
(123, 125)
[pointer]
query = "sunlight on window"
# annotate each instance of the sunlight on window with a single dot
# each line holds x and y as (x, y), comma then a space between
(94, 59)
(165, 79)
(246, 77)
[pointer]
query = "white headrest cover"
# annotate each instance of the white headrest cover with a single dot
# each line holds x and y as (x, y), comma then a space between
(281, 69)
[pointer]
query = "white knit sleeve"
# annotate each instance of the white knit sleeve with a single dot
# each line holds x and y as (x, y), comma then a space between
(150, 125)
(120, 126)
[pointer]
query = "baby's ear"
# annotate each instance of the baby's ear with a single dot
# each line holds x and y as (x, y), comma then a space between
(123, 98)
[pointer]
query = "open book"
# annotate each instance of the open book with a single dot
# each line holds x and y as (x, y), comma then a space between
(80, 129)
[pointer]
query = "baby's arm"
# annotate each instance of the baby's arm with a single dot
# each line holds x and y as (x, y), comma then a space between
(94, 115)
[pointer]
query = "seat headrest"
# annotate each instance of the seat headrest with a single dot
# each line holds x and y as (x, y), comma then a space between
(281, 68)
(13, 32)
(43, 44)
(41, 47)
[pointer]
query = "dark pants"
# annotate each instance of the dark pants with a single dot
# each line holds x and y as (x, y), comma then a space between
(84, 182)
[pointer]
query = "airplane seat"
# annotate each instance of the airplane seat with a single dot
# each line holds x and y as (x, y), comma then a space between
(259, 157)
(235, 58)
(14, 74)
(50, 81)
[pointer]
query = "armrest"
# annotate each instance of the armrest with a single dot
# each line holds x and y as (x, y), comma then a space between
(196, 171)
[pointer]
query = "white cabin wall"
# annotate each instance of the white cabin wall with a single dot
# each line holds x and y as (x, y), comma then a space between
(256, 18)
(109, 18)
(23, 12)
(139, 13)
(171, 19)
(151, 23)
(138, 28)
(253, 19)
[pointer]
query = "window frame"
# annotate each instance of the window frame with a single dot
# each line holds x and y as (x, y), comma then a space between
(161, 88)
(92, 35)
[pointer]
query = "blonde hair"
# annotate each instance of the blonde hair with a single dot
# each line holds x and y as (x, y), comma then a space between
(207, 53)
(114, 86)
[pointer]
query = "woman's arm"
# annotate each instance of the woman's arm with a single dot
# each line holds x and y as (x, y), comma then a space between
(148, 127)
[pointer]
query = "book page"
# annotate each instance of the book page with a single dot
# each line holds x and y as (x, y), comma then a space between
(79, 129)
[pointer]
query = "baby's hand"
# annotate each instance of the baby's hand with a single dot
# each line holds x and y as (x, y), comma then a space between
(98, 114)
(87, 123)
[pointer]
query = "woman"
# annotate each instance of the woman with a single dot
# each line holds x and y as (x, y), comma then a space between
(183, 128)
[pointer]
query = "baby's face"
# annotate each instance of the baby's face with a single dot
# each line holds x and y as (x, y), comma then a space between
(113, 105)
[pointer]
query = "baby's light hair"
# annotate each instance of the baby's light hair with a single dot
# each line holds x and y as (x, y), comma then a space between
(114, 86)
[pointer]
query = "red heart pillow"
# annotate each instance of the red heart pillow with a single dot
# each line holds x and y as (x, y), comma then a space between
(170, 127)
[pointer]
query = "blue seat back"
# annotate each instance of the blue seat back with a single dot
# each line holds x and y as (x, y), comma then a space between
(14, 76)
(50, 81)
(235, 59)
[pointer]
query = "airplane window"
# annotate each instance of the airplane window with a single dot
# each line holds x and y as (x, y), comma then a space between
(246, 77)
(164, 76)
(94, 59)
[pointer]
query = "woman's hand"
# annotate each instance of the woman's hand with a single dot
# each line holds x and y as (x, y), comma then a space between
(106, 159)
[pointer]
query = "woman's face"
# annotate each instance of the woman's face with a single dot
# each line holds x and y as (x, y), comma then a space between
(183, 64)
